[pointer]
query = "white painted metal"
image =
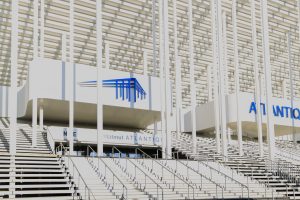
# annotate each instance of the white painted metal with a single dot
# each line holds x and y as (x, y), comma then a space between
(13, 76)
(221, 79)
(237, 77)
(71, 79)
(168, 100)
(268, 80)
(256, 79)
(107, 56)
(192, 75)
(224, 39)
(64, 47)
(215, 72)
(99, 41)
(35, 55)
(41, 117)
(42, 30)
(284, 88)
(162, 82)
(209, 82)
(291, 69)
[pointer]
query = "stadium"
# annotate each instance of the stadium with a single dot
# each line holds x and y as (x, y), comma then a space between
(149, 99)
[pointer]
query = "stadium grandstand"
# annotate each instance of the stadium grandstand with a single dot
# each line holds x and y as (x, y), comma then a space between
(149, 99)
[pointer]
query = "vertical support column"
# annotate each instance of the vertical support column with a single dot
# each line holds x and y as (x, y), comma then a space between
(71, 80)
(256, 79)
(268, 79)
(178, 98)
(154, 38)
(35, 55)
(209, 82)
(192, 76)
(177, 73)
(222, 81)
(284, 90)
(298, 8)
(42, 29)
(215, 72)
(63, 47)
(168, 99)
(237, 78)
(145, 64)
(41, 117)
(99, 41)
(107, 56)
(291, 68)
(224, 23)
(162, 83)
(13, 93)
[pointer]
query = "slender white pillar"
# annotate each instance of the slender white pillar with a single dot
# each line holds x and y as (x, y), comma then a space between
(237, 78)
(13, 76)
(99, 41)
(42, 30)
(35, 55)
(298, 8)
(192, 76)
(162, 82)
(13, 101)
(107, 55)
(71, 80)
(168, 91)
(291, 69)
(215, 73)
(268, 79)
(209, 82)
(154, 39)
(145, 56)
(41, 117)
(177, 73)
(222, 81)
(178, 98)
(256, 79)
(225, 52)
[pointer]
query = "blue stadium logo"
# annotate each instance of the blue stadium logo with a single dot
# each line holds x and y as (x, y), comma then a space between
(126, 88)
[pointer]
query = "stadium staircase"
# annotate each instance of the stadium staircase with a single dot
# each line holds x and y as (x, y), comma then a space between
(34, 172)
(280, 175)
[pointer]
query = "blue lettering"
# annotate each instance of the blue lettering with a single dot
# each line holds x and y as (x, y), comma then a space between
(277, 110)
(252, 107)
(263, 106)
(294, 113)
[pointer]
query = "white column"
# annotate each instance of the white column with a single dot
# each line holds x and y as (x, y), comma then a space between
(215, 73)
(162, 83)
(192, 76)
(107, 56)
(41, 117)
(237, 78)
(256, 79)
(99, 41)
(42, 29)
(154, 39)
(268, 80)
(13, 76)
(13, 102)
(298, 8)
(167, 80)
(224, 23)
(209, 82)
(177, 61)
(35, 55)
(291, 69)
(145, 64)
(71, 79)
(222, 81)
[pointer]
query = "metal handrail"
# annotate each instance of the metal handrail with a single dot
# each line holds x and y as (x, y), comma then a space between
(175, 175)
(51, 137)
(124, 194)
(90, 193)
(211, 168)
(136, 167)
